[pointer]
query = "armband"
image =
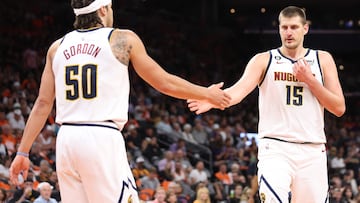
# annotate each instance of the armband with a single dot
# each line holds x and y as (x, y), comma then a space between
(22, 154)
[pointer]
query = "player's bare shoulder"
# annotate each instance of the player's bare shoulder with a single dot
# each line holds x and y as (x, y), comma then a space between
(326, 60)
(53, 48)
(260, 60)
(122, 42)
(324, 55)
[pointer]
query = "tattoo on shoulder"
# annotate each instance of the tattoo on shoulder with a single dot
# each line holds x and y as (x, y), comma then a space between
(121, 48)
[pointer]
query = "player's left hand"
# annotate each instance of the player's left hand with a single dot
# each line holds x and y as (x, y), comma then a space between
(302, 70)
(20, 166)
(199, 106)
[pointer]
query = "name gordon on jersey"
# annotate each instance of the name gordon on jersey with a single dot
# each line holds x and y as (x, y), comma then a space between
(89, 49)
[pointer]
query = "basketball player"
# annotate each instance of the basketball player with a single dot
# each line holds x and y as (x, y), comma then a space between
(295, 85)
(87, 72)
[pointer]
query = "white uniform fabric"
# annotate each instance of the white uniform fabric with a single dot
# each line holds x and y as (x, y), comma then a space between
(92, 90)
(92, 85)
(287, 108)
(292, 156)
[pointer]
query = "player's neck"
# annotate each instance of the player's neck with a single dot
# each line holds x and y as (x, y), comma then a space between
(294, 54)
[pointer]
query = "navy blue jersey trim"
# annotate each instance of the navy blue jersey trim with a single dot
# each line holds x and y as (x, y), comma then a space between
(318, 61)
(110, 34)
(262, 178)
(127, 184)
(90, 124)
(293, 142)
(62, 39)
(267, 68)
(292, 61)
(89, 29)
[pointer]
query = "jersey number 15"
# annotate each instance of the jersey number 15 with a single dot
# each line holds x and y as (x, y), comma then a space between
(294, 95)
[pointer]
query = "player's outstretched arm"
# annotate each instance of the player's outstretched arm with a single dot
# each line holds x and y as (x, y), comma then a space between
(163, 81)
(37, 118)
(251, 77)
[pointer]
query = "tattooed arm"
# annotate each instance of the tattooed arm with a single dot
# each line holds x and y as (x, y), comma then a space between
(127, 46)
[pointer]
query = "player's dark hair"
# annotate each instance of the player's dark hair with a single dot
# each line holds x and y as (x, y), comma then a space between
(292, 11)
(85, 21)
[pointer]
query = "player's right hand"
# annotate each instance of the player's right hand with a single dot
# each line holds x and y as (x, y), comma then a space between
(19, 166)
(218, 98)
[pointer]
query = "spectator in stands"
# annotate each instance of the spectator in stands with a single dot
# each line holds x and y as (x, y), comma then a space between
(151, 149)
(199, 133)
(133, 141)
(186, 135)
(8, 138)
(222, 175)
(234, 169)
(337, 164)
(179, 173)
(202, 196)
(171, 197)
(180, 144)
(198, 174)
(45, 171)
(349, 180)
(166, 162)
(150, 181)
(348, 196)
(45, 190)
(177, 188)
(17, 120)
(176, 132)
(25, 193)
(160, 195)
(180, 156)
(163, 127)
(47, 139)
(236, 194)
(140, 171)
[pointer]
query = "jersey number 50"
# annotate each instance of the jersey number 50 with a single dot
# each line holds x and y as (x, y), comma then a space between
(81, 80)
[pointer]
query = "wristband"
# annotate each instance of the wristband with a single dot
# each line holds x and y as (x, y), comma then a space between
(22, 154)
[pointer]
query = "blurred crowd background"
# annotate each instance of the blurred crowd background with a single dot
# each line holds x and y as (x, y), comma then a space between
(177, 155)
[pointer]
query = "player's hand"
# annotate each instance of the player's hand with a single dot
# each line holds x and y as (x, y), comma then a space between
(218, 97)
(19, 166)
(302, 70)
(199, 106)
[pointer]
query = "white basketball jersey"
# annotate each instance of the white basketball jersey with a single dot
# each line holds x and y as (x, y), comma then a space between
(287, 108)
(90, 83)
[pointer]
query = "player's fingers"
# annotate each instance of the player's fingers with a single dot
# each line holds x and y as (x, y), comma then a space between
(218, 85)
(301, 62)
(190, 100)
(193, 104)
(194, 108)
(198, 112)
(25, 174)
(13, 176)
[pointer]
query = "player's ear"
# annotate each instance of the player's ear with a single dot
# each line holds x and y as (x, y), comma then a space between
(102, 11)
(306, 28)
